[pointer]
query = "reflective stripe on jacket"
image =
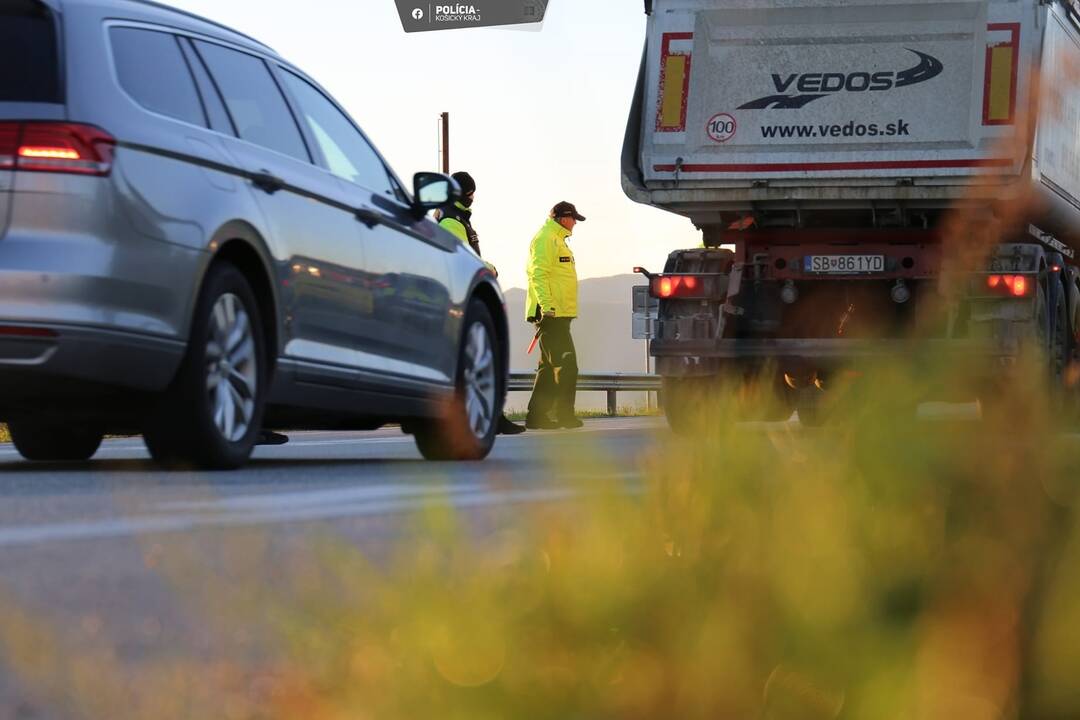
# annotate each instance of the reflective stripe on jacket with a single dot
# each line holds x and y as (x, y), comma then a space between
(458, 222)
(553, 283)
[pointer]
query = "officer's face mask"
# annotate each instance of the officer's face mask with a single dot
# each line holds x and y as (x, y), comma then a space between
(467, 200)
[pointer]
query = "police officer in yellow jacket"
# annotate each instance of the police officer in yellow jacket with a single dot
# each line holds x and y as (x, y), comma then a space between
(458, 220)
(552, 304)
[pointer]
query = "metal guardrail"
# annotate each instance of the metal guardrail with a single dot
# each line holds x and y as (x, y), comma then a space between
(611, 383)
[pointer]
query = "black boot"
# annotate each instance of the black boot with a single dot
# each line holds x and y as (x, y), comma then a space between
(267, 437)
(541, 423)
(508, 428)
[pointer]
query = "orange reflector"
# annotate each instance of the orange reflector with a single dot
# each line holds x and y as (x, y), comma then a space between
(672, 101)
(667, 287)
(1000, 74)
(674, 88)
(993, 281)
(1019, 286)
(999, 86)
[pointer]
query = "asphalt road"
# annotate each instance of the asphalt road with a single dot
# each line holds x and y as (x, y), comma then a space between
(118, 560)
(316, 477)
(82, 548)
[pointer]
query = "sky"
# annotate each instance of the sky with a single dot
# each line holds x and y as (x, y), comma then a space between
(536, 117)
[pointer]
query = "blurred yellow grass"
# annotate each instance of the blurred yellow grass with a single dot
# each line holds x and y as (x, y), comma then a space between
(878, 568)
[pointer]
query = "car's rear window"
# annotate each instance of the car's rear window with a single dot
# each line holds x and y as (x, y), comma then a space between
(29, 59)
(152, 69)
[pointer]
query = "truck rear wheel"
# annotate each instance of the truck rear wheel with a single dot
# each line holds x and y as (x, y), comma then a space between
(1054, 344)
(686, 404)
(694, 404)
(1063, 401)
(812, 407)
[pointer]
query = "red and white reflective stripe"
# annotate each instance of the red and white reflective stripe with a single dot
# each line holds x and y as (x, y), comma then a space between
(836, 166)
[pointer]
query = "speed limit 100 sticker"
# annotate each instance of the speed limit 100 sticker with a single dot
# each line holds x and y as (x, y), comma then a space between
(721, 127)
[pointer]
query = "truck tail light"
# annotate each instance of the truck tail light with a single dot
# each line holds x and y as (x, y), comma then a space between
(681, 286)
(56, 147)
(1010, 285)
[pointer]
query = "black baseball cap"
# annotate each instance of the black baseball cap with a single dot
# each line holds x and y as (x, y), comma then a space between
(565, 209)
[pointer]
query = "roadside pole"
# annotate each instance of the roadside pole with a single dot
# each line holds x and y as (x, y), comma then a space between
(444, 127)
(648, 371)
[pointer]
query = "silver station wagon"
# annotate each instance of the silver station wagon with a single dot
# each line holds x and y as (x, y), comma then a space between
(198, 244)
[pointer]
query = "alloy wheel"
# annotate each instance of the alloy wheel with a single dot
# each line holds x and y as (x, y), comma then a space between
(480, 384)
(231, 368)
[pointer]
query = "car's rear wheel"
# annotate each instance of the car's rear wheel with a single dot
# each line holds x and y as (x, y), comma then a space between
(54, 442)
(211, 415)
(466, 426)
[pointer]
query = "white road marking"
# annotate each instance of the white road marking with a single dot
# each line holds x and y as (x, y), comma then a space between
(114, 447)
(123, 527)
(270, 501)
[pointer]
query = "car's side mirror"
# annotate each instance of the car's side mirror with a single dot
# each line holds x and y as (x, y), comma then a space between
(432, 191)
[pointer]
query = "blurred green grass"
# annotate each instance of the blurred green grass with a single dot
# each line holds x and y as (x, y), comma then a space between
(877, 568)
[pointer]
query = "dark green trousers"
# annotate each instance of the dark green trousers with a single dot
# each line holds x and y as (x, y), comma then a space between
(555, 388)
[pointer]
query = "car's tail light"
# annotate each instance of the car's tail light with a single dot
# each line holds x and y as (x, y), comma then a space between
(1010, 285)
(682, 286)
(56, 147)
(9, 145)
(25, 332)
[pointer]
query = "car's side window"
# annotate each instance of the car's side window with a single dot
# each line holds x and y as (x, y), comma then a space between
(215, 106)
(255, 103)
(152, 70)
(399, 192)
(348, 154)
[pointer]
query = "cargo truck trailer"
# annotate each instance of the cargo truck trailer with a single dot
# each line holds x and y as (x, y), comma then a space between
(850, 167)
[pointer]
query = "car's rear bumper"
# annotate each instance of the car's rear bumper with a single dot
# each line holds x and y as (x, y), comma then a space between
(50, 368)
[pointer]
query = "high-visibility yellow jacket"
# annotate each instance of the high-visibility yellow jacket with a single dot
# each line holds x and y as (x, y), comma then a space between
(458, 230)
(455, 226)
(553, 283)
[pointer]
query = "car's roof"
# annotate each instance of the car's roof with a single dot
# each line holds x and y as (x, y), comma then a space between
(150, 11)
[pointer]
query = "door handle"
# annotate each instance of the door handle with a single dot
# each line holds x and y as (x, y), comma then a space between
(369, 217)
(267, 182)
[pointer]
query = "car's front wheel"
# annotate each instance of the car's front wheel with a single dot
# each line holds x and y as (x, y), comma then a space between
(466, 425)
(54, 442)
(211, 415)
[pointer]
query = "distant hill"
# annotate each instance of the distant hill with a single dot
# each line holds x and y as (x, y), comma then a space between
(601, 335)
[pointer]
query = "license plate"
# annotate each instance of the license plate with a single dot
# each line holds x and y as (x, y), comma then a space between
(845, 264)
